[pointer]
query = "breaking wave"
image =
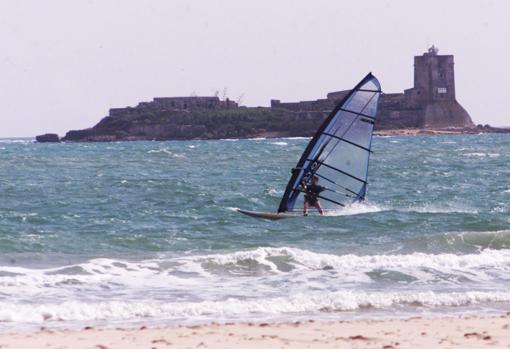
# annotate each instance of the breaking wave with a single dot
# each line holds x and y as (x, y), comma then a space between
(186, 271)
(310, 303)
(194, 286)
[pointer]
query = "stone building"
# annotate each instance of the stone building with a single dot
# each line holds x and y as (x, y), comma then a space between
(433, 94)
(174, 103)
(317, 105)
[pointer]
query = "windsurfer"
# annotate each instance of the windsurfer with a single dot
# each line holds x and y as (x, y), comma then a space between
(312, 192)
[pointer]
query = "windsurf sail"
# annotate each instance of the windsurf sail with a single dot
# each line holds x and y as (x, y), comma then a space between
(339, 152)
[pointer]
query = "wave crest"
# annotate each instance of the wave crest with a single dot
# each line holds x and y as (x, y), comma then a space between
(345, 300)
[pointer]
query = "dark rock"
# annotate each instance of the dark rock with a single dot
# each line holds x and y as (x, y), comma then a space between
(48, 138)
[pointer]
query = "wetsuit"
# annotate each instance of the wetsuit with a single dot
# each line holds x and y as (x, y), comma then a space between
(312, 191)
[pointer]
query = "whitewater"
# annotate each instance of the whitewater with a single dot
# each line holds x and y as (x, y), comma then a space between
(147, 232)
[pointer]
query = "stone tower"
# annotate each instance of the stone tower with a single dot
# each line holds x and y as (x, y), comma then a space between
(434, 92)
(434, 76)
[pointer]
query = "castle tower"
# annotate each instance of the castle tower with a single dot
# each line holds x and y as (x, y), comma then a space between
(434, 92)
(434, 76)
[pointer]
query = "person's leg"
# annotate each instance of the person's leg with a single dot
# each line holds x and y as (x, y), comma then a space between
(305, 208)
(319, 208)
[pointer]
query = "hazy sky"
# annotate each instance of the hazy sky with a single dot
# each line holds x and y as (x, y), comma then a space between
(63, 64)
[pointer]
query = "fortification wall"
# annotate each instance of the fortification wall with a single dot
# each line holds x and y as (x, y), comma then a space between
(186, 102)
(430, 103)
(173, 103)
(316, 105)
(337, 95)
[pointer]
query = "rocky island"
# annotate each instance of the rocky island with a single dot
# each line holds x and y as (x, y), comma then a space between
(430, 106)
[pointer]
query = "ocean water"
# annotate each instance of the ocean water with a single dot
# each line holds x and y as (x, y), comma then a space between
(146, 232)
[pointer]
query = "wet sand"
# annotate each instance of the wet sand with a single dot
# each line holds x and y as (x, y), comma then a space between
(445, 332)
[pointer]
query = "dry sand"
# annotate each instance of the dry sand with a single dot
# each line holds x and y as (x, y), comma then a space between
(447, 332)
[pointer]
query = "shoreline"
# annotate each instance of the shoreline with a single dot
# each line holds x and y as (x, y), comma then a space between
(277, 134)
(435, 132)
(417, 332)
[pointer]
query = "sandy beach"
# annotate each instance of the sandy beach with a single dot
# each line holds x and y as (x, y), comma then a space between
(445, 332)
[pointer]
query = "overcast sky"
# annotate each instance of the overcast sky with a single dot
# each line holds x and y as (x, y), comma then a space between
(63, 64)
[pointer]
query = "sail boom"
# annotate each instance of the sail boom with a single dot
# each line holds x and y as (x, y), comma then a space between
(338, 185)
(343, 172)
(327, 199)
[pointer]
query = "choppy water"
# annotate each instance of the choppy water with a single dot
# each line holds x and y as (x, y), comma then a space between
(147, 231)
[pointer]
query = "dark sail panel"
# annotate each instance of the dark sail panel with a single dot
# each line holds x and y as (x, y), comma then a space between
(340, 150)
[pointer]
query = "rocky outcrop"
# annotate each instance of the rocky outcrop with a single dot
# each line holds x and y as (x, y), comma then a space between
(429, 107)
(48, 138)
(200, 123)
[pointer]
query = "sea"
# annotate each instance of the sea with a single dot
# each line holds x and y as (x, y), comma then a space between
(130, 233)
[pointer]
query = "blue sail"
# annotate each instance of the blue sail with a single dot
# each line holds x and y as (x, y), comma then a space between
(339, 152)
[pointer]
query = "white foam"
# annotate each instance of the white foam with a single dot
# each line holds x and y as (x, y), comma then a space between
(498, 209)
(97, 272)
(274, 192)
(279, 143)
(16, 141)
(353, 268)
(367, 207)
(166, 151)
(297, 138)
(475, 154)
(124, 287)
(355, 209)
(439, 208)
(92, 274)
(315, 302)
(260, 255)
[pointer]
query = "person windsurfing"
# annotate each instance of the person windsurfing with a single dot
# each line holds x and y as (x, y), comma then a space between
(312, 192)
